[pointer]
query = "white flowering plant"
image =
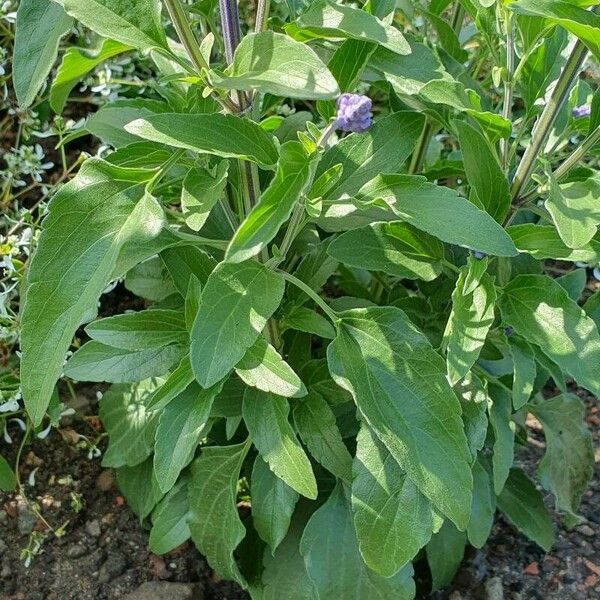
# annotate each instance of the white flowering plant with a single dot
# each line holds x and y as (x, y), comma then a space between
(345, 220)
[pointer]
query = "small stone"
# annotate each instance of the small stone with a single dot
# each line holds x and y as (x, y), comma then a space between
(456, 595)
(494, 589)
(5, 572)
(76, 551)
(106, 480)
(26, 520)
(532, 569)
(113, 566)
(3, 547)
(93, 528)
(3, 516)
(586, 530)
(164, 590)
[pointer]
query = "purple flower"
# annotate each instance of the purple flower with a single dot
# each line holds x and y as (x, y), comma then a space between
(354, 112)
(582, 111)
(508, 331)
(478, 255)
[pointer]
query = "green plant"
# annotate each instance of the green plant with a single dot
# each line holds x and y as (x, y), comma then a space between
(352, 326)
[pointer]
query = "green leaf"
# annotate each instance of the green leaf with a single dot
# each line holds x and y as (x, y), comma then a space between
(483, 507)
(540, 311)
(215, 525)
(272, 63)
(8, 481)
(395, 248)
(223, 135)
(202, 189)
(444, 555)
(382, 148)
(348, 63)
(568, 463)
(139, 487)
(170, 520)
(543, 241)
(592, 308)
(236, 303)
(393, 519)
(524, 507)
(273, 503)
(474, 399)
(447, 36)
(484, 174)
(76, 63)
(525, 371)
(150, 280)
(97, 362)
(309, 321)
(141, 330)
(580, 22)
(469, 323)
(500, 411)
(262, 367)
(317, 428)
(275, 205)
(136, 23)
(130, 427)
(574, 210)
(333, 561)
(335, 21)
(180, 427)
(77, 253)
(399, 384)
(574, 283)
(177, 381)
(40, 25)
(183, 262)
(266, 417)
(439, 211)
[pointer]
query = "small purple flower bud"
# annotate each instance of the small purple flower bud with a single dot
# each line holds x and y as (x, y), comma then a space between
(582, 111)
(478, 255)
(354, 112)
(508, 331)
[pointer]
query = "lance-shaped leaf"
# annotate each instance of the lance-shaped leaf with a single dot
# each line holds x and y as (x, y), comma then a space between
(275, 205)
(470, 320)
(273, 63)
(262, 367)
(444, 555)
(317, 428)
(215, 524)
(399, 384)
(130, 427)
(483, 507)
(236, 303)
(333, 561)
(139, 330)
(524, 507)
(273, 503)
(136, 23)
(473, 396)
(484, 174)
(395, 248)
(76, 63)
(139, 487)
(201, 190)
(170, 520)
(500, 411)
(96, 362)
(335, 21)
(525, 371)
(266, 417)
(40, 25)
(393, 519)
(439, 211)
(381, 149)
(8, 480)
(540, 311)
(222, 135)
(91, 220)
(580, 22)
(568, 463)
(543, 241)
(180, 427)
(575, 211)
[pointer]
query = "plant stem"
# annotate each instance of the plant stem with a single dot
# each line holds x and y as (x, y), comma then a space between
(312, 294)
(418, 157)
(230, 25)
(546, 121)
(185, 33)
(458, 17)
(262, 15)
(509, 83)
(578, 154)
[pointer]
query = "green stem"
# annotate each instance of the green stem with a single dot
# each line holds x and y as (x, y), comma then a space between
(262, 15)
(418, 157)
(509, 83)
(544, 124)
(312, 294)
(578, 154)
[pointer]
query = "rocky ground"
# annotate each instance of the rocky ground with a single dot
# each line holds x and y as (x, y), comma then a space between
(103, 554)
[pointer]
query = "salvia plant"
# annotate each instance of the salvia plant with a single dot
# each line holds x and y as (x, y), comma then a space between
(344, 218)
